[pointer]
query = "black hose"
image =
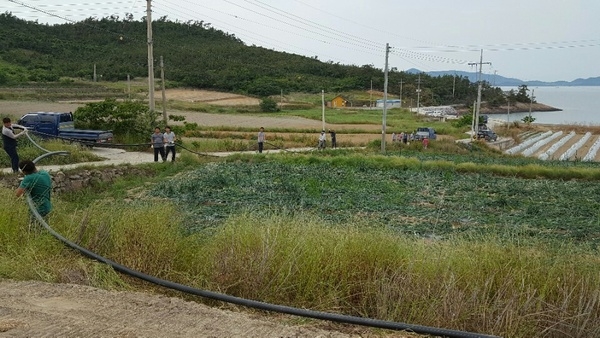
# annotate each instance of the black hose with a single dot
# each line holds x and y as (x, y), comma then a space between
(253, 303)
(195, 152)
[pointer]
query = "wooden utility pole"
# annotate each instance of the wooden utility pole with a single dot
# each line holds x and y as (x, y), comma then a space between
(385, 96)
(164, 95)
(150, 55)
(478, 105)
(323, 106)
(128, 86)
(401, 93)
(94, 72)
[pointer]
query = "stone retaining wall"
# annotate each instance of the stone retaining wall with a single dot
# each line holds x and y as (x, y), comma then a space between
(69, 182)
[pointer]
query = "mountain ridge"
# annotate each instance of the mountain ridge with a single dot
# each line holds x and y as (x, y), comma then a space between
(501, 81)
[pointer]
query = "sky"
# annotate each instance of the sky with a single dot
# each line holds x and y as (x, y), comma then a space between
(546, 40)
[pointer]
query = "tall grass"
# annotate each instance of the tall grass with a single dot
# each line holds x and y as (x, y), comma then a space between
(503, 284)
(28, 151)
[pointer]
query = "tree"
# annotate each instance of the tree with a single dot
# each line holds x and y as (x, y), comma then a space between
(268, 105)
(130, 119)
(522, 95)
(528, 119)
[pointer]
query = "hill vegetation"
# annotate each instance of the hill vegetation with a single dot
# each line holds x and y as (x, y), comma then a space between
(198, 56)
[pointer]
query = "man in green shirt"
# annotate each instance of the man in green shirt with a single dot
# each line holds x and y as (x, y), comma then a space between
(39, 186)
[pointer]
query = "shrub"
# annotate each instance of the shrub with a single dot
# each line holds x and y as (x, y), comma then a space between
(268, 105)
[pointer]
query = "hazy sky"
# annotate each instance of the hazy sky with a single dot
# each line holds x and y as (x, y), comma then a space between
(545, 40)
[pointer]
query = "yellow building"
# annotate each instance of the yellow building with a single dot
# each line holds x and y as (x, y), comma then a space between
(338, 101)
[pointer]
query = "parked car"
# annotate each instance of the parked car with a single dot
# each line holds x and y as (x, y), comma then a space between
(48, 125)
(488, 135)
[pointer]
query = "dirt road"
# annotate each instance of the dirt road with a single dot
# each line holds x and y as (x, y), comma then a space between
(36, 309)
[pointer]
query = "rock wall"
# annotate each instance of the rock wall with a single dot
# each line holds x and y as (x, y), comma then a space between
(73, 181)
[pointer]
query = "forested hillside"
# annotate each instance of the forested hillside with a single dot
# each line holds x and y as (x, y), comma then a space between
(196, 55)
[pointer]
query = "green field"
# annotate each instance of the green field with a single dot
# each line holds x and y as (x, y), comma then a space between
(429, 203)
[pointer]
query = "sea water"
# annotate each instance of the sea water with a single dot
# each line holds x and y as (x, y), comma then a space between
(580, 105)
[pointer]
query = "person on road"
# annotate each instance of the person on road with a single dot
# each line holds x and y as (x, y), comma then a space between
(322, 140)
(425, 142)
(393, 137)
(405, 137)
(39, 186)
(169, 139)
(333, 140)
(261, 139)
(158, 143)
(9, 142)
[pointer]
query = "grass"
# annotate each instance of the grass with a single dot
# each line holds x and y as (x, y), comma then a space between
(506, 285)
(27, 150)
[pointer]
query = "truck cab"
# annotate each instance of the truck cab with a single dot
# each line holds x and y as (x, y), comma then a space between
(47, 123)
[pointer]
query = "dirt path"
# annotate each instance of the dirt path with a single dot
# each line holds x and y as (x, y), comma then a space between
(36, 309)
(250, 121)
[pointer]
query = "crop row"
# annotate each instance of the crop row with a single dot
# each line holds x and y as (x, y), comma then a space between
(425, 203)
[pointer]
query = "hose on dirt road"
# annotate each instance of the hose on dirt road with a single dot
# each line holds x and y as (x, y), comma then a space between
(248, 302)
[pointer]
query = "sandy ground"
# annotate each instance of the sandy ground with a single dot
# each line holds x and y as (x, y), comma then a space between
(36, 309)
(210, 97)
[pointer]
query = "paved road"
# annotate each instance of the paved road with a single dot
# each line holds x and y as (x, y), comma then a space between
(115, 156)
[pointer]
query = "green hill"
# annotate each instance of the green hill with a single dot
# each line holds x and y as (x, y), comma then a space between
(196, 55)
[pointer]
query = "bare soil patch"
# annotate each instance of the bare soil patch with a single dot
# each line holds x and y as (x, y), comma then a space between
(36, 309)
(249, 121)
(210, 97)
(18, 108)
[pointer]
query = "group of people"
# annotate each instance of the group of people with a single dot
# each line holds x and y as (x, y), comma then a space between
(406, 137)
(403, 137)
(323, 140)
(163, 144)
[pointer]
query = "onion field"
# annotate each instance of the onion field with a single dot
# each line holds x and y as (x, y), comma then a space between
(425, 203)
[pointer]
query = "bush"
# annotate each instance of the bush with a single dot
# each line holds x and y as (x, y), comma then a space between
(268, 105)
(130, 119)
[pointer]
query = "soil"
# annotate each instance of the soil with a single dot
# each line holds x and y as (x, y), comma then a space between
(37, 309)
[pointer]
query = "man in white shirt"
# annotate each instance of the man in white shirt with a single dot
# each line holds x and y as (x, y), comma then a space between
(170, 139)
(9, 142)
(322, 140)
(261, 139)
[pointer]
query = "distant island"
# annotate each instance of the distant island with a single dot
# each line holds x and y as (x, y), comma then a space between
(501, 81)
(519, 107)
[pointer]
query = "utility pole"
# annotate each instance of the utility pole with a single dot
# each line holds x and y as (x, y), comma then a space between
(400, 93)
(453, 85)
(150, 56)
(531, 102)
(478, 105)
(508, 112)
(418, 92)
(385, 96)
(128, 87)
(94, 72)
(371, 96)
(323, 105)
(164, 95)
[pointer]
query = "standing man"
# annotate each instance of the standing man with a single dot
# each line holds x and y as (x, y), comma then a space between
(333, 140)
(322, 140)
(9, 142)
(170, 143)
(39, 186)
(261, 139)
(158, 143)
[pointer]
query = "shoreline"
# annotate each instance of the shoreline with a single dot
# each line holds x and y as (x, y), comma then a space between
(517, 108)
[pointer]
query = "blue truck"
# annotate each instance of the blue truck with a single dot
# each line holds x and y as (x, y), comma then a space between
(425, 132)
(49, 124)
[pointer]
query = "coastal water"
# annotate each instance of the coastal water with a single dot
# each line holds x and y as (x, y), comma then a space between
(580, 105)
